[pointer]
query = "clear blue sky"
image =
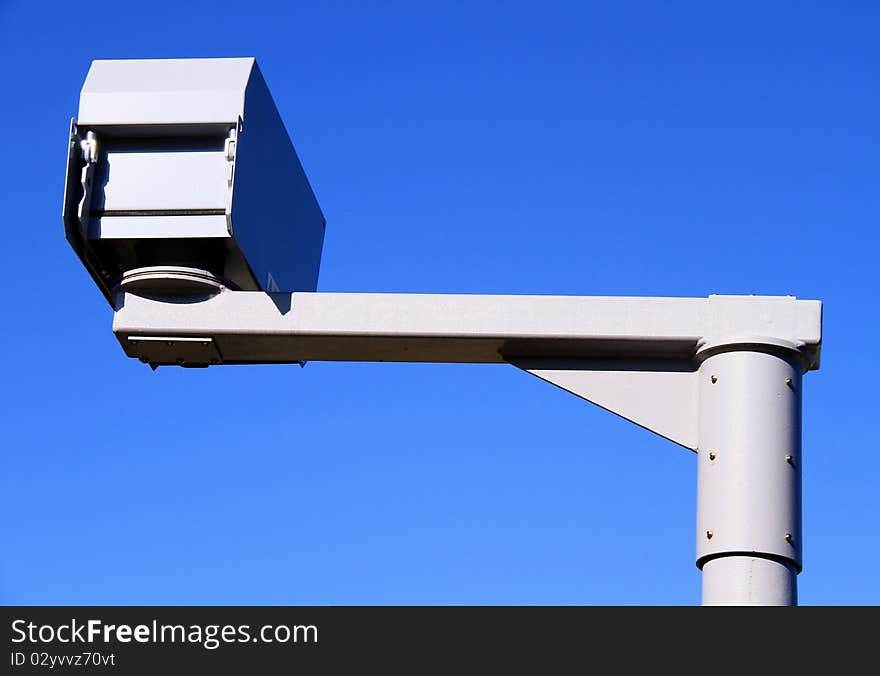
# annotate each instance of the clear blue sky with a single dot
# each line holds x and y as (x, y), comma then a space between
(615, 148)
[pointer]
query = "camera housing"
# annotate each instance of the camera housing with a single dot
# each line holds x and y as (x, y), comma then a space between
(182, 179)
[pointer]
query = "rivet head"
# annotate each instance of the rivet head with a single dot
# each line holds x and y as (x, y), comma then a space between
(709, 534)
(712, 455)
(788, 538)
(714, 379)
(789, 459)
(789, 381)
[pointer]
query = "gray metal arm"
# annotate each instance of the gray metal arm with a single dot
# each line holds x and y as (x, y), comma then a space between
(254, 327)
(718, 375)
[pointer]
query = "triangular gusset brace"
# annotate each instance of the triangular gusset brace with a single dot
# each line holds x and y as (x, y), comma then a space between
(659, 395)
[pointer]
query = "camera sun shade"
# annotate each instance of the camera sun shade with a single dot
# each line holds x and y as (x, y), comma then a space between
(181, 179)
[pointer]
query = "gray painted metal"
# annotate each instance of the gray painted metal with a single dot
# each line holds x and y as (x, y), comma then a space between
(749, 581)
(148, 281)
(186, 162)
(659, 395)
(164, 91)
(181, 179)
(285, 328)
(749, 462)
(720, 375)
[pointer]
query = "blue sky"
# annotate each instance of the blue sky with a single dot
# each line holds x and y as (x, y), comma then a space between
(668, 149)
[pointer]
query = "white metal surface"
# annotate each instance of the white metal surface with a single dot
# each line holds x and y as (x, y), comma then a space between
(659, 395)
(170, 156)
(156, 178)
(749, 461)
(251, 327)
(181, 177)
(749, 581)
(721, 375)
(158, 227)
(158, 280)
(164, 91)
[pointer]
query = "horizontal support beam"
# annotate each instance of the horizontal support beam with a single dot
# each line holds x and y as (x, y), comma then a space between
(254, 327)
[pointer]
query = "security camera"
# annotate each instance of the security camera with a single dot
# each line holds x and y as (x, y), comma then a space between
(181, 179)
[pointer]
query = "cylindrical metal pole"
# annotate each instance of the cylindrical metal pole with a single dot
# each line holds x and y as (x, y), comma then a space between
(749, 474)
(748, 581)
